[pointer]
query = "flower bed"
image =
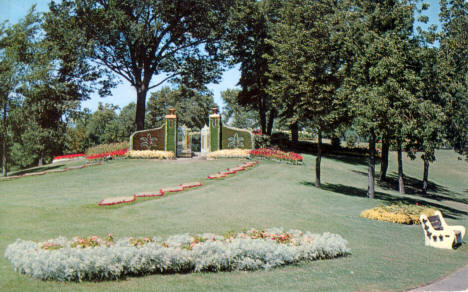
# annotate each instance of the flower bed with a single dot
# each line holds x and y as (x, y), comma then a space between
(278, 155)
(68, 157)
(117, 200)
(103, 155)
(229, 153)
(398, 213)
(150, 154)
(93, 258)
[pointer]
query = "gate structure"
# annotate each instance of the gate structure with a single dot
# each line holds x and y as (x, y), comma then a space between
(171, 137)
(184, 142)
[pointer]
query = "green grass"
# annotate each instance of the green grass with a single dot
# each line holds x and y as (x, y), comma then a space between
(385, 256)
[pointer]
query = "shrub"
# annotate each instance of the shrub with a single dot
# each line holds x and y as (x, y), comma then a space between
(96, 259)
(351, 139)
(229, 153)
(152, 154)
(105, 148)
(398, 213)
(262, 141)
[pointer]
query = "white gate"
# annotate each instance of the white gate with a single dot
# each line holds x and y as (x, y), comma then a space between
(204, 141)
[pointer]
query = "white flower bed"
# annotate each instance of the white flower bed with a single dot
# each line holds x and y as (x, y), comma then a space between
(181, 253)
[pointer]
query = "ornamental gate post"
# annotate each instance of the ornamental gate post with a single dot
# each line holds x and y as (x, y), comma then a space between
(204, 141)
(171, 131)
(215, 130)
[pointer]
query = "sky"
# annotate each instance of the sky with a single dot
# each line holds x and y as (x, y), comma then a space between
(124, 93)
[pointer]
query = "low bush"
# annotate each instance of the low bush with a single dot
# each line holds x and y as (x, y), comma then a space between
(229, 153)
(105, 148)
(152, 154)
(398, 213)
(98, 259)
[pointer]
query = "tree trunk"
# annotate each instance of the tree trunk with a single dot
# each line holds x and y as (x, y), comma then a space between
(4, 137)
(318, 160)
(262, 117)
(371, 167)
(401, 181)
(425, 176)
(140, 107)
(294, 132)
(40, 161)
(271, 119)
(384, 162)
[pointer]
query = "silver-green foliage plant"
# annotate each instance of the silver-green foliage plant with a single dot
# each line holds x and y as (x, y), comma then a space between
(250, 250)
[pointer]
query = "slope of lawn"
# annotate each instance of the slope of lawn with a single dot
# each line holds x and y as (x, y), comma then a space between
(385, 256)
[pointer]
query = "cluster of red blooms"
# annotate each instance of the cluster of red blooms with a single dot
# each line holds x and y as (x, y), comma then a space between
(69, 156)
(267, 153)
(107, 154)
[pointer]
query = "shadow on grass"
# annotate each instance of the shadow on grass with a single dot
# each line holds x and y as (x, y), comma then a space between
(413, 187)
(355, 156)
(358, 192)
(36, 169)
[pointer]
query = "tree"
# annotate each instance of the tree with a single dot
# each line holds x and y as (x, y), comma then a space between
(15, 53)
(177, 40)
(192, 106)
(453, 70)
(381, 80)
(102, 127)
(250, 27)
(307, 65)
(235, 114)
(125, 121)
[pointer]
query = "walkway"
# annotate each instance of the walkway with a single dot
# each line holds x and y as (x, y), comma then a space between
(458, 281)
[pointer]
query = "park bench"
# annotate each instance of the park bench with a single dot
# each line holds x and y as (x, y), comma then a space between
(439, 234)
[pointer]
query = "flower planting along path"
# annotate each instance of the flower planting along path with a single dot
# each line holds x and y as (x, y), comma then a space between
(113, 201)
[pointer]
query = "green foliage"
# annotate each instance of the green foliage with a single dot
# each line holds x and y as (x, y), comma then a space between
(235, 114)
(141, 39)
(104, 148)
(236, 138)
(192, 107)
(249, 28)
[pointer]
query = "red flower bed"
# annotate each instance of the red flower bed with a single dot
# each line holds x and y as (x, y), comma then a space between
(267, 153)
(69, 156)
(120, 152)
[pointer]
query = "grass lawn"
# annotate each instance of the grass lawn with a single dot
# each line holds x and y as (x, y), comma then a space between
(385, 256)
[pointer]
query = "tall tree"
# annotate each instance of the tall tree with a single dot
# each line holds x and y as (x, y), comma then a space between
(381, 79)
(16, 42)
(453, 70)
(249, 28)
(137, 40)
(307, 64)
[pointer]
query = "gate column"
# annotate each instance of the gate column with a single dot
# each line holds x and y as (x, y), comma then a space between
(215, 130)
(171, 131)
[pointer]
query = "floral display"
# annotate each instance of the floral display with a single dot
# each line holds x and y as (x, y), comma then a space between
(234, 170)
(68, 157)
(229, 153)
(217, 175)
(398, 213)
(92, 258)
(191, 185)
(278, 155)
(116, 153)
(151, 154)
(160, 193)
(104, 148)
(117, 200)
